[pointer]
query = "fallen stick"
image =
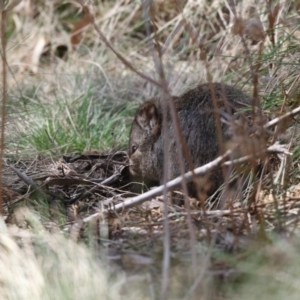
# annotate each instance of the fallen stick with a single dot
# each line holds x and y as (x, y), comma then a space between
(134, 201)
(188, 177)
(282, 118)
(171, 185)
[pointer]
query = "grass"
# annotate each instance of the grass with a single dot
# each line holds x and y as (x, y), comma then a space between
(87, 119)
(78, 125)
(269, 272)
(49, 266)
(85, 101)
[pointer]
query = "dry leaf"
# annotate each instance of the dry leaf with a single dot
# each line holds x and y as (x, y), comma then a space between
(36, 54)
(254, 29)
(76, 33)
(9, 5)
(238, 26)
(298, 7)
(272, 15)
(23, 6)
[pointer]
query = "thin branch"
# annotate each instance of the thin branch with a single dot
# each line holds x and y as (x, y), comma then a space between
(188, 177)
(3, 106)
(282, 118)
(109, 45)
(164, 85)
(28, 180)
(134, 201)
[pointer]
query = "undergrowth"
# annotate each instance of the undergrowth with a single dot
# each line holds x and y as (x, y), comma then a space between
(84, 120)
(79, 125)
(68, 93)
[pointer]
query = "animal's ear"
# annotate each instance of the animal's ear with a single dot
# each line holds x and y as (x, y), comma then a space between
(148, 118)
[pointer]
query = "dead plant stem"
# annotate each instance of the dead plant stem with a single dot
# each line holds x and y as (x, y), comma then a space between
(3, 104)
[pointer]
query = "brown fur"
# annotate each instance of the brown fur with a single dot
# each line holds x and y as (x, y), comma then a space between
(197, 120)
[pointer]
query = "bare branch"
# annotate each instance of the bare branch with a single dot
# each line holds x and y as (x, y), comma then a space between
(3, 104)
(282, 118)
(134, 201)
(109, 45)
(171, 185)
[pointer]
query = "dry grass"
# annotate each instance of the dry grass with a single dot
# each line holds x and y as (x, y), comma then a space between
(37, 264)
(67, 92)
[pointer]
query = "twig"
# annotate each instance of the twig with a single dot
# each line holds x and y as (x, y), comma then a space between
(282, 118)
(134, 201)
(105, 183)
(171, 184)
(53, 143)
(27, 179)
(35, 187)
(3, 106)
(198, 172)
(211, 213)
(273, 149)
(109, 45)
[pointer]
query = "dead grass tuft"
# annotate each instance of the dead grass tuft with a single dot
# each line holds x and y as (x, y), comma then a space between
(67, 92)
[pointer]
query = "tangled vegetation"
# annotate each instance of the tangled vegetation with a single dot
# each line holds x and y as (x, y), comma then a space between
(74, 73)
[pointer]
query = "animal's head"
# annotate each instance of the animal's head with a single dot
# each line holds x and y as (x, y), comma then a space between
(145, 130)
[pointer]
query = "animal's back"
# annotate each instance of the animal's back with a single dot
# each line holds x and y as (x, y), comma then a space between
(197, 116)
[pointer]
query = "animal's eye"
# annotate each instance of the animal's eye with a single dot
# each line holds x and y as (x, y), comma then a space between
(133, 149)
